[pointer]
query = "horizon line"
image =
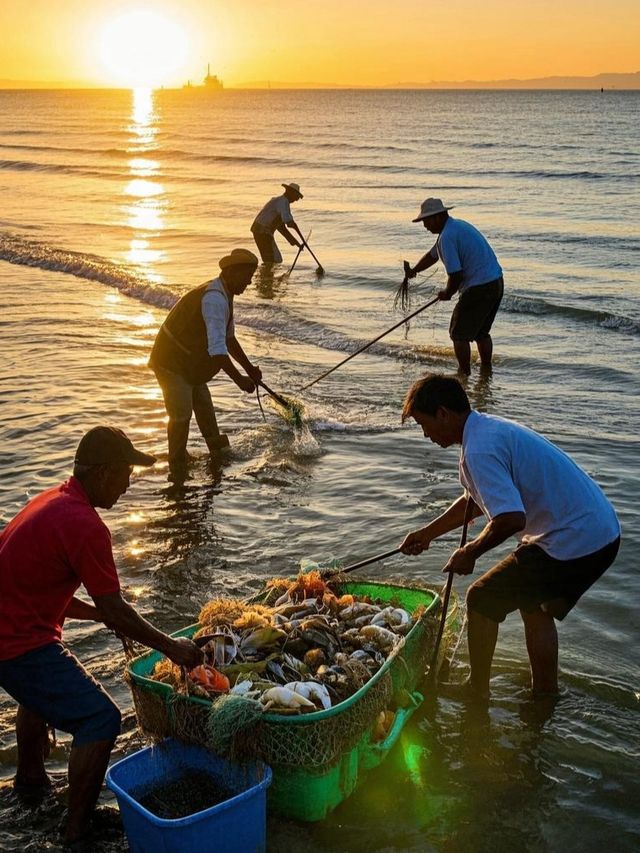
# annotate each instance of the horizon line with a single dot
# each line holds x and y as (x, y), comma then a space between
(8, 84)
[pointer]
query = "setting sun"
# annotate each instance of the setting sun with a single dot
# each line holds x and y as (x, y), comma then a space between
(142, 49)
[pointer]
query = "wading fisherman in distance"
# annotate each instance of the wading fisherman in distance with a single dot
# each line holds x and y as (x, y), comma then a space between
(276, 216)
(473, 271)
(56, 544)
(525, 487)
(195, 342)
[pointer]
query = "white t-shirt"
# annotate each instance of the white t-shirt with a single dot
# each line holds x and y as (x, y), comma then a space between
(506, 467)
(275, 213)
(461, 247)
(216, 312)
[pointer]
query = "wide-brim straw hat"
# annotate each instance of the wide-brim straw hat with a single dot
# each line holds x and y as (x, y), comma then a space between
(294, 187)
(430, 207)
(238, 257)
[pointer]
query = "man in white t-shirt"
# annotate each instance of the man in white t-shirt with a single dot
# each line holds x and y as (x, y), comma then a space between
(473, 271)
(528, 488)
(195, 342)
(276, 216)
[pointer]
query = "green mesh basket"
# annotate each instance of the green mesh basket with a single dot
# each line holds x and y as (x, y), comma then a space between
(319, 758)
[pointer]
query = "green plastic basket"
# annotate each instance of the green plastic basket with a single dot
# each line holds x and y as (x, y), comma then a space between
(310, 789)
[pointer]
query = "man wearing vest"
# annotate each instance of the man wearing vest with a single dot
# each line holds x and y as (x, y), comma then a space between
(473, 271)
(276, 216)
(195, 342)
(528, 488)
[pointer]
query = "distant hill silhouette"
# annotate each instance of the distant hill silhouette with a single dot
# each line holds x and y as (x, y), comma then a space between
(599, 81)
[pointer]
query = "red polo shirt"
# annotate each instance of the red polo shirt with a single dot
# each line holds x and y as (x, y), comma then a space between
(55, 544)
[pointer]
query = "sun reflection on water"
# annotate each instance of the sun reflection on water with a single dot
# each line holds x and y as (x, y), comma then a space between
(146, 213)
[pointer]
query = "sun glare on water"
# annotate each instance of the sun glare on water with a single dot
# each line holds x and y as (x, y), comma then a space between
(142, 49)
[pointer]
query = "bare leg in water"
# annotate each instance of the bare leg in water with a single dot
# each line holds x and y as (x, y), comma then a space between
(87, 766)
(542, 645)
(33, 748)
(485, 351)
(482, 634)
(462, 350)
(177, 436)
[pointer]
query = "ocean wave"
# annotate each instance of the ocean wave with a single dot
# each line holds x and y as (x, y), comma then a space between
(32, 253)
(31, 166)
(270, 318)
(606, 319)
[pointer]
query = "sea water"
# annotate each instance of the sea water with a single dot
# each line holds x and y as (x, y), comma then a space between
(115, 203)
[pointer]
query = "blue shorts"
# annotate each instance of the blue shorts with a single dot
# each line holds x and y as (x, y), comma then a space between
(53, 684)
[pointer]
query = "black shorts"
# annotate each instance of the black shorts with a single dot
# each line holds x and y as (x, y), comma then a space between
(475, 311)
(529, 579)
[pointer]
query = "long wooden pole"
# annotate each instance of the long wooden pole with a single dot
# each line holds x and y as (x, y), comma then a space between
(447, 593)
(366, 346)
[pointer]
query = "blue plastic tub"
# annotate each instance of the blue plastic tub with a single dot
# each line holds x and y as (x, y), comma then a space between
(237, 825)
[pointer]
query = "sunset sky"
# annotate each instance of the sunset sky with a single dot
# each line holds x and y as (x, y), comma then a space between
(370, 42)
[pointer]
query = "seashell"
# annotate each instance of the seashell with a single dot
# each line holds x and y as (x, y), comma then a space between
(244, 688)
(358, 608)
(315, 658)
(381, 637)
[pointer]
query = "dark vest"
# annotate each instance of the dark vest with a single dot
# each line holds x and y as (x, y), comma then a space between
(181, 345)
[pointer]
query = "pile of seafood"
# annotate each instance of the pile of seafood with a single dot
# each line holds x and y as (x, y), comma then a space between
(307, 651)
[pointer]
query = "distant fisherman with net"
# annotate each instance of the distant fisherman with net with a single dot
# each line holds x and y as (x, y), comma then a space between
(528, 488)
(195, 342)
(276, 216)
(54, 545)
(473, 271)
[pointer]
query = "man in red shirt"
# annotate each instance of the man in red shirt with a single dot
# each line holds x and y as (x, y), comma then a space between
(57, 543)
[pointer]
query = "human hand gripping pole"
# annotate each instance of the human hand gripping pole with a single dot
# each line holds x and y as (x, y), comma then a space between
(295, 261)
(433, 667)
(320, 270)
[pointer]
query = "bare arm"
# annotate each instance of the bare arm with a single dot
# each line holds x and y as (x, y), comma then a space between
(451, 519)
(286, 233)
(453, 283)
(122, 618)
(224, 363)
(424, 263)
(500, 528)
(236, 352)
(78, 609)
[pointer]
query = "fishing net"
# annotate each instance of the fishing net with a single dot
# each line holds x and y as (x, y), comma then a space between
(293, 412)
(238, 727)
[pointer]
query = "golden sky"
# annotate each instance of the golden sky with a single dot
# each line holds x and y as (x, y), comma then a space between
(371, 42)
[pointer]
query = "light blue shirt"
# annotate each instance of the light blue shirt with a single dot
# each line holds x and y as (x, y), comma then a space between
(506, 467)
(461, 247)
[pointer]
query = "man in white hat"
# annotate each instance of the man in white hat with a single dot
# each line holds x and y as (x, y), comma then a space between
(195, 342)
(473, 271)
(276, 216)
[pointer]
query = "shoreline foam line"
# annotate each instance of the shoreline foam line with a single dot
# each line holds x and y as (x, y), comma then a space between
(19, 250)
